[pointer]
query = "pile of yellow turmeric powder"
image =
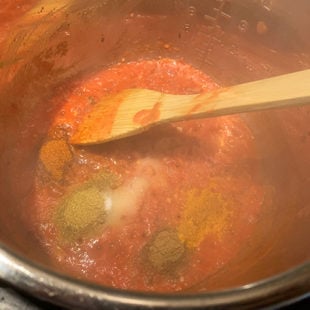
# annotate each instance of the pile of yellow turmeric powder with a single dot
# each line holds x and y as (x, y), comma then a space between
(205, 212)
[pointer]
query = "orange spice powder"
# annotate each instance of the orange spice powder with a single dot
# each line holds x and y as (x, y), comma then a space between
(205, 212)
(55, 155)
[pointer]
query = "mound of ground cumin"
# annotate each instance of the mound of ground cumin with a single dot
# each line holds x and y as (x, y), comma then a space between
(165, 250)
(80, 213)
(83, 211)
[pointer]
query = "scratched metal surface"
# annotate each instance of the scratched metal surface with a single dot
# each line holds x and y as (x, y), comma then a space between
(10, 299)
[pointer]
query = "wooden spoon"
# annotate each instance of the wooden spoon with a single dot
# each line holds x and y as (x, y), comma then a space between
(135, 110)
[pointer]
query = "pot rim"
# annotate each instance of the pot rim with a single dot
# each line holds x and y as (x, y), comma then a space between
(36, 280)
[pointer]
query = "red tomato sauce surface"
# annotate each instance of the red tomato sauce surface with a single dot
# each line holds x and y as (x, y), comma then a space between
(196, 181)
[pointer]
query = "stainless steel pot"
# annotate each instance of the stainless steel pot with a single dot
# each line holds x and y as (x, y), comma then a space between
(233, 41)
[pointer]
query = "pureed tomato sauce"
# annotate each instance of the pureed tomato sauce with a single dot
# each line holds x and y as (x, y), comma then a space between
(160, 211)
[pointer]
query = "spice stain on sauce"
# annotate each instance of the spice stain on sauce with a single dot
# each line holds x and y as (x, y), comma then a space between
(148, 116)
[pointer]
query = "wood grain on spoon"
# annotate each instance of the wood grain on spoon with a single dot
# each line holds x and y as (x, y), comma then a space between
(132, 111)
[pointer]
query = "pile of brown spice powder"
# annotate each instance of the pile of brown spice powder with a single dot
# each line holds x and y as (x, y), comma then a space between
(165, 250)
(80, 213)
(83, 211)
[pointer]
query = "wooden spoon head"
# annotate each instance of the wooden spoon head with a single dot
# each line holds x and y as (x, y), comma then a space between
(119, 115)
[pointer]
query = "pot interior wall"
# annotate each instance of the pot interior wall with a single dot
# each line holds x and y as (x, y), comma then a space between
(49, 51)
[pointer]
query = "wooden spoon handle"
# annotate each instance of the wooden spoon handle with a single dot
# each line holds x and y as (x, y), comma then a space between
(285, 90)
(134, 110)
